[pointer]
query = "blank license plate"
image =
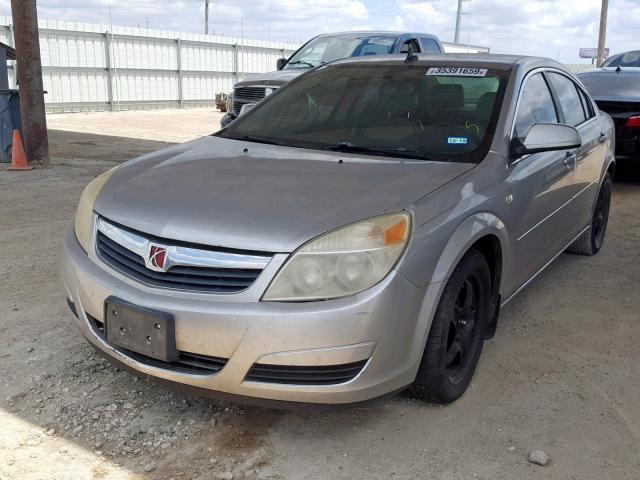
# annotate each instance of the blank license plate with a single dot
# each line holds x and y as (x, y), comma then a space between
(141, 330)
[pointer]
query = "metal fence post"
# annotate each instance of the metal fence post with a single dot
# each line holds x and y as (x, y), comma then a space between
(109, 65)
(235, 63)
(179, 67)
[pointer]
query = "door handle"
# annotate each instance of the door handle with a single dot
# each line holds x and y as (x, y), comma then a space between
(602, 138)
(569, 159)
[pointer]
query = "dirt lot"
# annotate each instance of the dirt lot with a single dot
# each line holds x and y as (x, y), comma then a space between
(561, 374)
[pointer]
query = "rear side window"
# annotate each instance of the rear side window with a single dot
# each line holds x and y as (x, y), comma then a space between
(429, 45)
(586, 104)
(535, 106)
(569, 99)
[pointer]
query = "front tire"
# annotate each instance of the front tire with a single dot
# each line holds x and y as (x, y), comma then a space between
(590, 242)
(457, 332)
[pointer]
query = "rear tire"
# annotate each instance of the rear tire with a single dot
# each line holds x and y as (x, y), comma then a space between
(590, 242)
(457, 332)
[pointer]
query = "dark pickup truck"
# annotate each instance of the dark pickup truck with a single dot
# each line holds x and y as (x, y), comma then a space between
(324, 49)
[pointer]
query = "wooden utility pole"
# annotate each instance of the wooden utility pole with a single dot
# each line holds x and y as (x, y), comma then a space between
(603, 31)
(206, 17)
(27, 43)
(460, 13)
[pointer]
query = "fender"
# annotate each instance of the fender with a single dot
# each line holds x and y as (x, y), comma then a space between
(467, 233)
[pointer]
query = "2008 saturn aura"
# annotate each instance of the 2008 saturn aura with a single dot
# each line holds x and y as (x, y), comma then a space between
(352, 235)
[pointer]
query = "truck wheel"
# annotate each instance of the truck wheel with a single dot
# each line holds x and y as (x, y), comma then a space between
(457, 332)
(590, 242)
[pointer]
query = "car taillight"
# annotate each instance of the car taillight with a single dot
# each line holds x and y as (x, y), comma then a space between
(633, 122)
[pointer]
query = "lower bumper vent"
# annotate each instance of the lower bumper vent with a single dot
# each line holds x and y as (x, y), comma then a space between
(303, 375)
(185, 363)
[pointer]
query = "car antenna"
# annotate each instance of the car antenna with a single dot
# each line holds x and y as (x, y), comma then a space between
(411, 55)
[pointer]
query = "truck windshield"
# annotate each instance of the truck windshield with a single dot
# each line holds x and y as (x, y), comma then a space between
(393, 110)
(327, 49)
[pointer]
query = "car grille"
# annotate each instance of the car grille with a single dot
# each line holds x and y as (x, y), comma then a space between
(185, 363)
(182, 277)
(244, 95)
(303, 375)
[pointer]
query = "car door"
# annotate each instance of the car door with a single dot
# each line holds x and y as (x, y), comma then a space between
(589, 156)
(540, 186)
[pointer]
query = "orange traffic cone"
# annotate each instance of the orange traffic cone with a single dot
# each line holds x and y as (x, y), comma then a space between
(18, 158)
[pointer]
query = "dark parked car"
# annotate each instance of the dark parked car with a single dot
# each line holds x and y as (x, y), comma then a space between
(324, 49)
(616, 89)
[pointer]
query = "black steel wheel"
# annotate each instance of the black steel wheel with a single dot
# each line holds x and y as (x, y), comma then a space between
(457, 332)
(601, 215)
(590, 242)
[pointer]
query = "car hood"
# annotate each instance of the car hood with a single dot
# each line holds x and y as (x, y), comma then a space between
(275, 79)
(607, 84)
(268, 198)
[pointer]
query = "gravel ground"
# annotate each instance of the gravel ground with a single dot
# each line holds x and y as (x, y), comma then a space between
(561, 375)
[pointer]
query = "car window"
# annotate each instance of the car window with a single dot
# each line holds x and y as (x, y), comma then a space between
(326, 49)
(410, 44)
(429, 45)
(586, 104)
(401, 110)
(570, 102)
(628, 59)
(535, 106)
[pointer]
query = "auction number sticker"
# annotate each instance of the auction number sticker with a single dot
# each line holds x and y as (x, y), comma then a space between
(458, 71)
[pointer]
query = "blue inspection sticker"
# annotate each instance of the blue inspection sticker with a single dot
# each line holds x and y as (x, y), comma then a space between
(457, 140)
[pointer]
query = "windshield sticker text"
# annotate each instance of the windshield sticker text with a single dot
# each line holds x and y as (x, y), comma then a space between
(457, 140)
(458, 71)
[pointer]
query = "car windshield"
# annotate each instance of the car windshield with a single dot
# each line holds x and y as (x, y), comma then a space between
(327, 49)
(394, 110)
(628, 59)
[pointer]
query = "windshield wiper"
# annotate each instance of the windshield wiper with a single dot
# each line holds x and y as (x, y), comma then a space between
(257, 139)
(301, 62)
(376, 150)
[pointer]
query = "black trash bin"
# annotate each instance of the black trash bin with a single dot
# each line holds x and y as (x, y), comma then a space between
(9, 120)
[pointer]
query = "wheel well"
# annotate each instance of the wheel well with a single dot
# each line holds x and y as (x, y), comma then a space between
(611, 170)
(491, 248)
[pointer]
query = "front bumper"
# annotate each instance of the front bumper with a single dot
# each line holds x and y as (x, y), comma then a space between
(384, 326)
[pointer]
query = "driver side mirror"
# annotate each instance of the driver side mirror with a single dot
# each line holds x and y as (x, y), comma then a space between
(281, 63)
(546, 137)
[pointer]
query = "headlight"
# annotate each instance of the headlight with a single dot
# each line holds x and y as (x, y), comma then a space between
(342, 262)
(84, 213)
(230, 102)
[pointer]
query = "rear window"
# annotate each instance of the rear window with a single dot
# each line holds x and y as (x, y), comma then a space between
(628, 59)
(413, 110)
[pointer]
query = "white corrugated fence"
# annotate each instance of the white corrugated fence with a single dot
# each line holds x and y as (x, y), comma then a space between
(94, 67)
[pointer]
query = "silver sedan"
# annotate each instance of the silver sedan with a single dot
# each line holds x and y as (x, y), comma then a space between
(354, 234)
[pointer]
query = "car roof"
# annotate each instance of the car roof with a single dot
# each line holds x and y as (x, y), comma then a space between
(370, 33)
(489, 60)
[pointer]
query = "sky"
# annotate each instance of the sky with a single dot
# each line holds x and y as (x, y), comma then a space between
(555, 29)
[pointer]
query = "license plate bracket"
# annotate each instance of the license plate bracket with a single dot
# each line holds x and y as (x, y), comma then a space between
(141, 330)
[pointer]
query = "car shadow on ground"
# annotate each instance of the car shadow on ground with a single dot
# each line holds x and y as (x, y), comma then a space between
(69, 145)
